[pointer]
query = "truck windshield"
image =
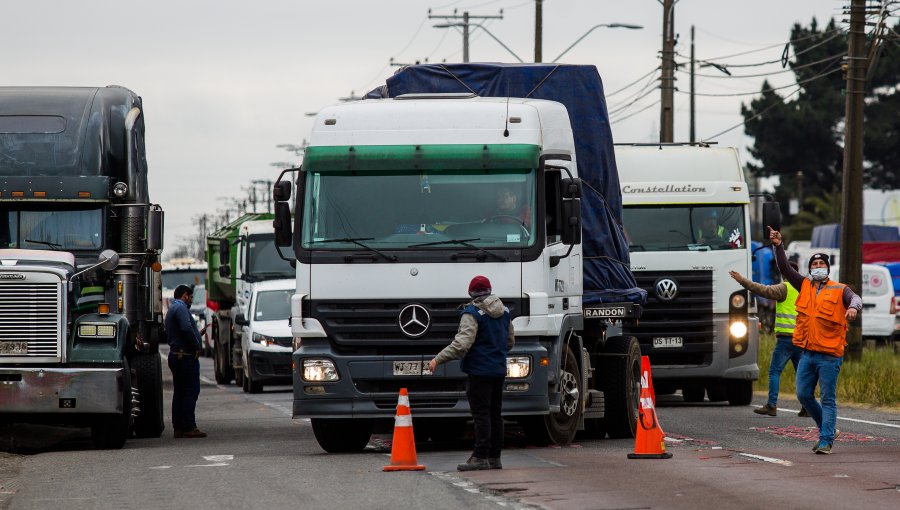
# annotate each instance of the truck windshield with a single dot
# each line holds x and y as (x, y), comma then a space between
(419, 210)
(273, 305)
(684, 227)
(263, 260)
(66, 230)
(172, 278)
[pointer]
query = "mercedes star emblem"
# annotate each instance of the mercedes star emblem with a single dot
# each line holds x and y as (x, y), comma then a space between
(666, 289)
(414, 320)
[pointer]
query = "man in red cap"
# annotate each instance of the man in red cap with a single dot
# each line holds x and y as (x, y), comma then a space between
(484, 338)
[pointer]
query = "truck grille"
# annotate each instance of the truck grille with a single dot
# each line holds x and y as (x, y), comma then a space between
(376, 323)
(29, 312)
(689, 316)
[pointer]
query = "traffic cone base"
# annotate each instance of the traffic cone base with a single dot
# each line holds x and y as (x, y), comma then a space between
(649, 440)
(403, 445)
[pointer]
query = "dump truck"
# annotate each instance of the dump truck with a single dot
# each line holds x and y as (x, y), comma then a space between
(81, 315)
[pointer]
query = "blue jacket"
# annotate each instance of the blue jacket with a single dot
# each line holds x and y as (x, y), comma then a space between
(181, 329)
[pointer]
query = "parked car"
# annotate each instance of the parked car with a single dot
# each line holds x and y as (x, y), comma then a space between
(266, 339)
(879, 316)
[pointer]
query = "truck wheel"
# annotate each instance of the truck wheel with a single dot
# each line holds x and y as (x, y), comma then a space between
(716, 391)
(239, 377)
(621, 380)
(224, 372)
(740, 392)
(692, 392)
(560, 427)
(342, 435)
(245, 385)
(109, 431)
(148, 370)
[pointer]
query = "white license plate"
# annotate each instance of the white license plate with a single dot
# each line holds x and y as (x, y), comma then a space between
(13, 348)
(407, 368)
(662, 342)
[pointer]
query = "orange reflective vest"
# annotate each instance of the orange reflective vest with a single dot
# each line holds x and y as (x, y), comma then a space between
(821, 318)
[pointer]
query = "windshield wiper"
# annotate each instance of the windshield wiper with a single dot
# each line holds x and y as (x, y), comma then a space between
(45, 243)
(356, 241)
(464, 242)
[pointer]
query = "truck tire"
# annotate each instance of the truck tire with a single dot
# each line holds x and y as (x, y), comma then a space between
(560, 427)
(693, 392)
(740, 392)
(717, 391)
(342, 435)
(224, 372)
(110, 431)
(148, 371)
(621, 381)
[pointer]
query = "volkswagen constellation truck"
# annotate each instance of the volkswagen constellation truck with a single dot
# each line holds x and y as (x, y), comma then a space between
(397, 208)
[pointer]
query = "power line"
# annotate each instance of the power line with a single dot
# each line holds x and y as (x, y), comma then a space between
(632, 83)
(758, 75)
(632, 114)
(820, 75)
(779, 45)
(781, 60)
(773, 105)
(618, 109)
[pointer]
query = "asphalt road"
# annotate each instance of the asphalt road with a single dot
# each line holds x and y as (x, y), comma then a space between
(257, 457)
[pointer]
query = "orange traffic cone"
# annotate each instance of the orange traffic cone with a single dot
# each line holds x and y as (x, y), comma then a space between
(403, 448)
(649, 442)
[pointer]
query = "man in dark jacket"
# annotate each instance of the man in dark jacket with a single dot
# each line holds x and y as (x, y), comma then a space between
(484, 338)
(184, 349)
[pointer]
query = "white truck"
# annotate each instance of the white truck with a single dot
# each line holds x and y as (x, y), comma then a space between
(266, 335)
(239, 255)
(398, 206)
(686, 216)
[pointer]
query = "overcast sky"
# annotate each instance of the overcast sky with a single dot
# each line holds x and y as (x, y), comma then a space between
(224, 82)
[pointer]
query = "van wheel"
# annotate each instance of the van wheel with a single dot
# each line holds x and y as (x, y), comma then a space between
(717, 391)
(560, 427)
(740, 392)
(342, 435)
(693, 392)
(621, 381)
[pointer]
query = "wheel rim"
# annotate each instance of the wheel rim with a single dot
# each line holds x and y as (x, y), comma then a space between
(569, 394)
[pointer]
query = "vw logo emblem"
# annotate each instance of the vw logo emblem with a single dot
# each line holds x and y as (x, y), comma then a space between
(666, 289)
(414, 320)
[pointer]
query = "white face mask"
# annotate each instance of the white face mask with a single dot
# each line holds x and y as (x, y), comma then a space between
(819, 273)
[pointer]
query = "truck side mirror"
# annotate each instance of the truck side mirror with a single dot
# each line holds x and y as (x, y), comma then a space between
(224, 251)
(570, 187)
(224, 271)
(771, 217)
(241, 320)
(571, 221)
(281, 191)
(282, 223)
(155, 222)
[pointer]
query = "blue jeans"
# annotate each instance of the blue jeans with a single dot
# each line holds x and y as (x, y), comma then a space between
(822, 369)
(784, 350)
(186, 390)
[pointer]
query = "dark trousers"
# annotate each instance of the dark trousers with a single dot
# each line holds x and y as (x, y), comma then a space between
(186, 384)
(485, 399)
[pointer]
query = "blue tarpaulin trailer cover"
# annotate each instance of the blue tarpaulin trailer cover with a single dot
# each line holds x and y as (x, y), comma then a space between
(829, 235)
(607, 273)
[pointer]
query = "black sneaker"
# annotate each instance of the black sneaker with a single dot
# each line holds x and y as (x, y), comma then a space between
(767, 410)
(823, 449)
(803, 412)
(474, 464)
(495, 463)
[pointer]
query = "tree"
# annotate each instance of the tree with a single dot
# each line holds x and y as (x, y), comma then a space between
(801, 133)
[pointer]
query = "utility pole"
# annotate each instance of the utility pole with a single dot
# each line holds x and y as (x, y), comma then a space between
(667, 79)
(466, 18)
(851, 204)
(538, 30)
(693, 111)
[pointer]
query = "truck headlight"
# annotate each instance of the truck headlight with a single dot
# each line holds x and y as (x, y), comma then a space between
(738, 329)
(263, 340)
(97, 330)
(738, 300)
(518, 367)
(318, 370)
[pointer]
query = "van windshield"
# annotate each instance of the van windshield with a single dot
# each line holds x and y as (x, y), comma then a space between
(273, 305)
(419, 209)
(684, 227)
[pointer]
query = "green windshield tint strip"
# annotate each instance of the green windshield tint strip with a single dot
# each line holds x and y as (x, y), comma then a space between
(420, 157)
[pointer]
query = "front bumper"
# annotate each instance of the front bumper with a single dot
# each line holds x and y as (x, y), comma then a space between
(61, 390)
(271, 367)
(367, 387)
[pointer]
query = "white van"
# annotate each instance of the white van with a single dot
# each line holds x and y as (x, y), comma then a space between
(879, 302)
(266, 339)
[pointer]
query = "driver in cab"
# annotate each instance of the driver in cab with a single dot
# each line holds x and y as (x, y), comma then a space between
(510, 208)
(710, 232)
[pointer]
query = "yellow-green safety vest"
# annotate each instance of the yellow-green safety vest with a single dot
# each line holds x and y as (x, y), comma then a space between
(786, 312)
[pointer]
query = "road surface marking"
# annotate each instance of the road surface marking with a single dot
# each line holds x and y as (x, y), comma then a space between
(471, 487)
(773, 460)
(867, 422)
(218, 458)
(217, 464)
(160, 467)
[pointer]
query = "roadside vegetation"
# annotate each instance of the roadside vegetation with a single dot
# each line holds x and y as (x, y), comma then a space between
(875, 379)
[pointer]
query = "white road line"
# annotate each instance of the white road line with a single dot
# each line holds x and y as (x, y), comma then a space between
(773, 460)
(217, 464)
(472, 488)
(218, 458)
(867, 422)
(160, 467)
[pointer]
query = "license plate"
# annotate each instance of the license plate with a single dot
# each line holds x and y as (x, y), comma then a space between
(668, 341)
(14, 348)
(407, 368)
